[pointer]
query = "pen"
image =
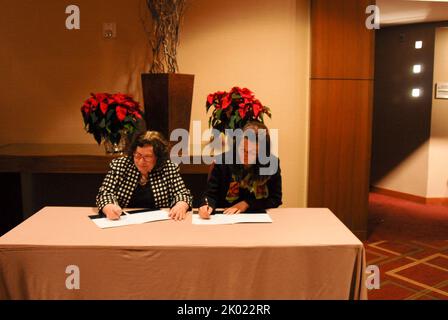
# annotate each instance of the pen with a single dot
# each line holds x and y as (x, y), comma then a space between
(206, 202)
(116, 203)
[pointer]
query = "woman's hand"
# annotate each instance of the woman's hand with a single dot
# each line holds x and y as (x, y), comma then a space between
(112, 211)
(179, 211)
(240, 207)
(205, 212)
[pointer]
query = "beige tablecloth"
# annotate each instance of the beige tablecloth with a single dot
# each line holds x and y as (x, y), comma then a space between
(303, 254)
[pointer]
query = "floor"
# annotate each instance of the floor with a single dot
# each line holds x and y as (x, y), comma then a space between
(409, 244)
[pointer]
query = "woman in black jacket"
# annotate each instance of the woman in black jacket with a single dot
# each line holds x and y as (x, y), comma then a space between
(146, 178)
(246, 184)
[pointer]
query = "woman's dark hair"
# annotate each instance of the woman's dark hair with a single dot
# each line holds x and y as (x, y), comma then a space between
(157, 141)
(262, 138)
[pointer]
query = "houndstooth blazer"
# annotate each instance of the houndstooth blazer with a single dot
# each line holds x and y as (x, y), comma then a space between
(121, 180)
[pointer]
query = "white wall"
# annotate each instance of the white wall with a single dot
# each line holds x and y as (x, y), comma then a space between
(262, 45)
(438, 147)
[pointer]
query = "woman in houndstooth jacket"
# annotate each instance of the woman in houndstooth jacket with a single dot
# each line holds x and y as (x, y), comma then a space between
(146, 178)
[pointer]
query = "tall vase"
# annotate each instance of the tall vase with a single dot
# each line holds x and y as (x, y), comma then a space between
(167, 100)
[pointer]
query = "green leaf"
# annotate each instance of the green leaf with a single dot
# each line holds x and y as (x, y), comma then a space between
(94, 117)
(232, 122)
(129, 119)
(97, 137)
(237, 117)
(218, 114)
(208, 107)
(109, 114)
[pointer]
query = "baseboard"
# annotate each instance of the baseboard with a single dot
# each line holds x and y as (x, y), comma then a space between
(410, 197)
(439, 201)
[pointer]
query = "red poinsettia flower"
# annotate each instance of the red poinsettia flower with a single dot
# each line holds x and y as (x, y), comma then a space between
(239, 105)
(128, 103)
(243, 110)
(89, 106)
(101, 124)
(226, 101)
(257, 108)
(210, 99)
(121, 113)
(243, 93)
(103, 107)
(120, 98)
(137, 114)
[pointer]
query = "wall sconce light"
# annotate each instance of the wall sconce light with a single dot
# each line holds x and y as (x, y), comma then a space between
(417, 68)
(418, 44)
(416, 92)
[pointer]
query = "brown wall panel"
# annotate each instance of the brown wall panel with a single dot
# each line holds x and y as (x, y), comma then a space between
(341, 110)
(342, 46)
(340, 150)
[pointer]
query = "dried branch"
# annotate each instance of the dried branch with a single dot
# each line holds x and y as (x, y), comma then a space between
(164, 36)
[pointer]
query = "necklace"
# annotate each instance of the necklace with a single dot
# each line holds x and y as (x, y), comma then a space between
(143, 180)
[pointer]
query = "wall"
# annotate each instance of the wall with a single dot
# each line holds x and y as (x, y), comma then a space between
(410, 137)
(401, 123)
(438, 145)
(341, 110)
(47, 71)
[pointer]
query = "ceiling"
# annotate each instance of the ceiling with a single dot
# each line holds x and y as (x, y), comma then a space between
(395, 12)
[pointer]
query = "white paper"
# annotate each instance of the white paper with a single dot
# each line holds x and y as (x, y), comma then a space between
(135, 218)
(217, 219)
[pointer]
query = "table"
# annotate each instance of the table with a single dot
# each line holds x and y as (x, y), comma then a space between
(304, 254)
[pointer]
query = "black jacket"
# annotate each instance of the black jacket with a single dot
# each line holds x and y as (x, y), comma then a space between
(219, 183)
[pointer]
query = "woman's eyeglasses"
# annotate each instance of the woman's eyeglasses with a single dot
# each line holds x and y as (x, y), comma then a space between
(139, 156)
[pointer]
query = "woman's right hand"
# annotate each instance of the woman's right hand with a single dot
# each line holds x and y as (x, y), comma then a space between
(112, 211)
(205, 212)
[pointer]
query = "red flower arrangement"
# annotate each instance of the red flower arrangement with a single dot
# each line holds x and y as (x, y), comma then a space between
(232, 110)
(109, 116)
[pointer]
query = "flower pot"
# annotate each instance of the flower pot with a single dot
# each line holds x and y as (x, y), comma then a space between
(115, 148)
(167, 100)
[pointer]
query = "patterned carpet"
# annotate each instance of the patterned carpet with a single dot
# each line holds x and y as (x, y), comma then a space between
(410, 270)
(409, 244)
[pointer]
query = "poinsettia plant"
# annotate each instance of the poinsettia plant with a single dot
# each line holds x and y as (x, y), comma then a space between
(233, 109)
(109, 116)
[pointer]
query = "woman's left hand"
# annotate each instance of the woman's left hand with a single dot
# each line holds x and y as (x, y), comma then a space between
(240, 207)
(179, 211)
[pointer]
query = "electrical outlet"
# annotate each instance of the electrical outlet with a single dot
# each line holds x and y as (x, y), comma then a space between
(109, 30)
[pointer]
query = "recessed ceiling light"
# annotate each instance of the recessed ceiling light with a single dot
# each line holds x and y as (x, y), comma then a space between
(417, 68)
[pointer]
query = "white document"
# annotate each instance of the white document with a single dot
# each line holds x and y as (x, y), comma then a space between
(135, 218)
(233, 218)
